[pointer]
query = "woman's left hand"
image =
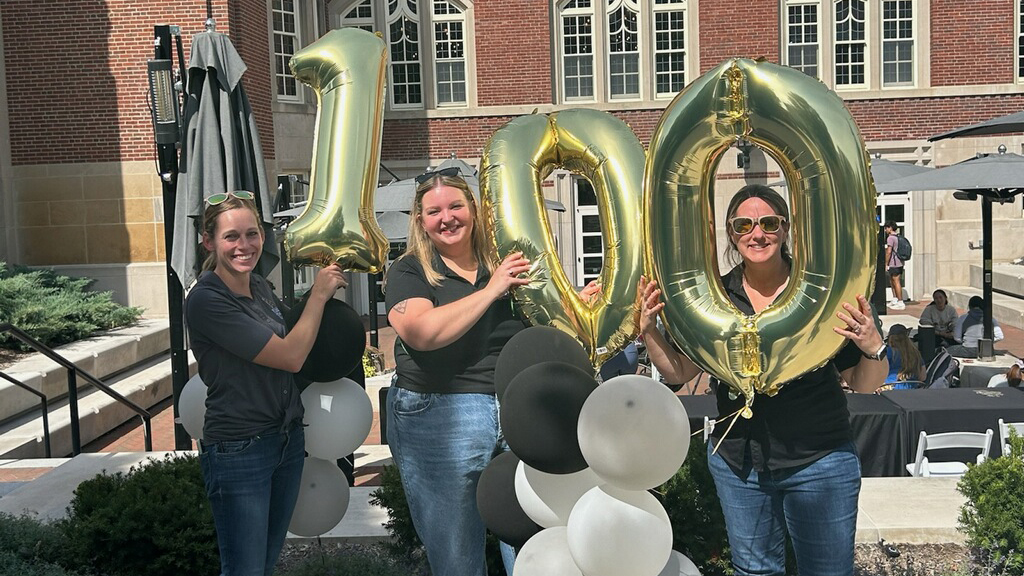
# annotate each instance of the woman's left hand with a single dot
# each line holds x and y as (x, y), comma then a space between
(860, 326)
(589, 292)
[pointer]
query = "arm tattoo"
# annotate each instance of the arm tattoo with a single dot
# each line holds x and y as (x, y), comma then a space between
(400, 307)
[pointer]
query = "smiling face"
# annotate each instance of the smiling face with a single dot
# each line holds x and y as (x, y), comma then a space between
(446, 215)
(939, 298)
(236, 242)
(758, 246)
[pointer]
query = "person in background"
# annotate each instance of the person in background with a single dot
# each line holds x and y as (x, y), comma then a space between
(940, 314)
(905, 363)
(893, 265)
(1012, 377)
(792, 468)
(253, 447)
(970, 328)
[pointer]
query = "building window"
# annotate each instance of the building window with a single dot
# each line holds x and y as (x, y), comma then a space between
(622, 49)
(850, 43)
(1020, 39)
(403, 38)
(897, 43)
(802, 39)
(449, 53)
(670, 46)
(360, 16)
(578, 50)
(286, 42)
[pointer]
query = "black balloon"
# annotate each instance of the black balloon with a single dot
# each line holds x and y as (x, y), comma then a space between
(540, 412)
(339, 345)
(534, 345)
(499, 508)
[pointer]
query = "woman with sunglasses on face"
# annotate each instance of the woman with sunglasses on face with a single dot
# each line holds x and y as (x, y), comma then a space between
(252, 448)
(792, 467)
(450, 307)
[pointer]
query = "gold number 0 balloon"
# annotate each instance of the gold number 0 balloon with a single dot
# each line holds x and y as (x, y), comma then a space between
(808, 130)
(346, 68)
(516, 160)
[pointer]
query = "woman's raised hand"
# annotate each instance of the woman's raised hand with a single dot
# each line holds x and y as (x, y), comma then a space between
(860, 326)
(328, 280)
(650, 304)
(507, 275)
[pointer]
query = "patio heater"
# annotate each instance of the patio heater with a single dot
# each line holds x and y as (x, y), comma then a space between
(166, 114)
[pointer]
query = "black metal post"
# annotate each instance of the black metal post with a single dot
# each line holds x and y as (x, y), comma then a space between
(878, 300)
(167, 156)
(986, 268)
(372, 288)
(76, 434)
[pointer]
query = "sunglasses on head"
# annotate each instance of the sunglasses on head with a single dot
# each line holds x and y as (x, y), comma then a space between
(450, 171)
(768, 224)
(214, 199)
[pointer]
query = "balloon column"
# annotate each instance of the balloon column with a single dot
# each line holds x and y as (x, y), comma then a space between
(573, 490)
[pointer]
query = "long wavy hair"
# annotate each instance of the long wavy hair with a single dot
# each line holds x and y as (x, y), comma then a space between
(772, 198)
(420, 246)
(209, 228)
(910, 357)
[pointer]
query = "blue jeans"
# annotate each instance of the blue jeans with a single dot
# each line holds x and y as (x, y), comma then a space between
(253, 485)
(441, 443)
(816, 503)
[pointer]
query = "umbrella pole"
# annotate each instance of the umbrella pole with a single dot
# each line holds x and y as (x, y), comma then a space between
(986, 255)
(371, 286)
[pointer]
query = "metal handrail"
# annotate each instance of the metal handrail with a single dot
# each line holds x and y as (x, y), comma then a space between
(42, 405)
(73, 372)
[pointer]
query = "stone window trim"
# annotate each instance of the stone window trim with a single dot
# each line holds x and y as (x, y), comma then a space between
(288, 23)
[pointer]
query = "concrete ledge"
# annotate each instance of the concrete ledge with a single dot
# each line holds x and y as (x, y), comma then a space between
(1009, 311)
(99, 356)
(909, 510)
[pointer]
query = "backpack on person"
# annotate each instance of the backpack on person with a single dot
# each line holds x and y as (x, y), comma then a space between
(943, 371)
(903, 248)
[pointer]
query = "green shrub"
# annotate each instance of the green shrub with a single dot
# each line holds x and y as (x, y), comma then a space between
(31, 547)
(348, 564)
(56, 309)
(993, 516)
(12, 564)
(153, 520)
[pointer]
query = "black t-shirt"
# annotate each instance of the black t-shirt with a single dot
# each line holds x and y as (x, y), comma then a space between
(227, 331)
(466, 365)
(805, 421)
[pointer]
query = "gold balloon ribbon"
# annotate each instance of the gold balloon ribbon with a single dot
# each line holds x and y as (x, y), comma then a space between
(516, 159)
(346, 68)
(809, 132)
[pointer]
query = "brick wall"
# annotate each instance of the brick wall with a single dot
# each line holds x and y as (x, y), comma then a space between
(76, 74)
(513, 52)
(972, 42)
(746, 29)
(919, 118)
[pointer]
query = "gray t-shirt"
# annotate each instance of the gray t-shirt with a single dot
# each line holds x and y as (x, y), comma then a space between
(227, 331)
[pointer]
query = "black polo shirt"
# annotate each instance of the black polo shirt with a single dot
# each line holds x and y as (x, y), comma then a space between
(805, 421)
(226, 331)
(466, 365)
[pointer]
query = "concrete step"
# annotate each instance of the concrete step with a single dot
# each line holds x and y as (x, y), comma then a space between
(146, 385)
(100, 356)
(1007, 310)
(1006, 277)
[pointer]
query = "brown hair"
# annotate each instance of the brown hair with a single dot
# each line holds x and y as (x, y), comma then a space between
(910, 356)
(210, 216)
(771, 197)
(420, 246)
(1013, 376)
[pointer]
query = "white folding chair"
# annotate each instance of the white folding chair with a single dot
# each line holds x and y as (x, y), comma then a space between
(709, 427)
(921, 467)
(1004, 434)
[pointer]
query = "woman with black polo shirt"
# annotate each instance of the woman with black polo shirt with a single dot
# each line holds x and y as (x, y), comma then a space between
(450, 307)
(253, 446)
(793, 466)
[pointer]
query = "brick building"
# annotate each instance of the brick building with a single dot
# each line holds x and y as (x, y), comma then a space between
(79, 186)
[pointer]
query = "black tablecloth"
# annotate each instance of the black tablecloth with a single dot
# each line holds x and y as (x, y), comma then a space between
(878, 432)
(956, 410)
(876, 423)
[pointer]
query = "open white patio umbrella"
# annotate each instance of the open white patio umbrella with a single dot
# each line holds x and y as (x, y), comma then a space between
(883, 170)
(990, 177)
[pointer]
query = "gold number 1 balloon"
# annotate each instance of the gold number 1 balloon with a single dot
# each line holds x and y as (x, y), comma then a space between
(346, 68)
(516, 160)
(808, 131)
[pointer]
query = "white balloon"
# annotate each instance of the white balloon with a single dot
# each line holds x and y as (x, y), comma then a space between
(548, 498)
(615, 532)
(544, 554)
(679, 565)
(323, 498)
(192, 407)
(634, 432)
(338, 418)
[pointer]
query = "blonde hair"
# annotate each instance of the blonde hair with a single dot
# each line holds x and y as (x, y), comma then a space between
(910, 357)
(420, 246)
(209, 227)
